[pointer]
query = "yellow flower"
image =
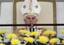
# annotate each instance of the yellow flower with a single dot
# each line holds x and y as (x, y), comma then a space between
(10, 36)
(62, 31)
(34, 33)
(15, 41)
(29, 39)
(62, 41)
(49, 32)
(1, 32)
(1, 38)
(24, 32)
(54, 40)
(52, 33)
(43, 39)
(2, 44)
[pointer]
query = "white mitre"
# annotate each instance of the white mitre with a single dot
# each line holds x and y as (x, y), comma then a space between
(30, 7)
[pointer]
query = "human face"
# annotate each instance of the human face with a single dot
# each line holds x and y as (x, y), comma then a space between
(30, 19)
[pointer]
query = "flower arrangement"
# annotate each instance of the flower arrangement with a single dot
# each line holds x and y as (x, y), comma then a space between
(41, 39)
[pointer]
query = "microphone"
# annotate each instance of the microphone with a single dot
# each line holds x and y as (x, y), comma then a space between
(31, 29)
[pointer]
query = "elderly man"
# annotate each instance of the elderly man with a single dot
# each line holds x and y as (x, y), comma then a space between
(30, 10)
